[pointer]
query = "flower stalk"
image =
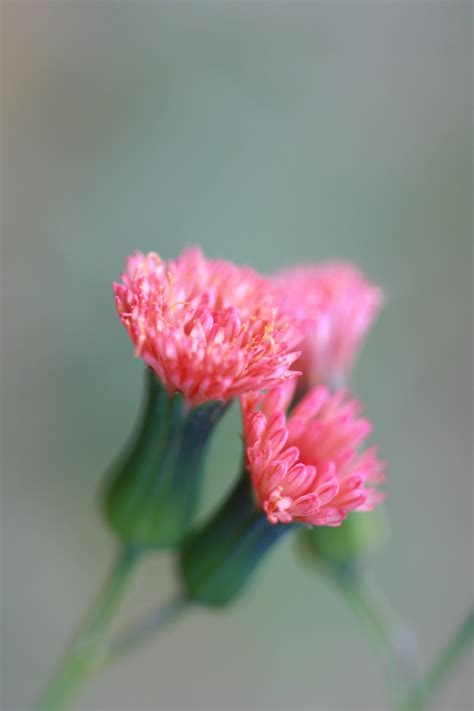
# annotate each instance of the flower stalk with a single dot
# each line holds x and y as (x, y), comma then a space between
(388, 635)
(426, 688)
(83, 657)
(147, 628)
(343, 553)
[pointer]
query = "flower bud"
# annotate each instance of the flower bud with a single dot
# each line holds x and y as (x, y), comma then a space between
(153, 490)
(358, 537)
(218, 560)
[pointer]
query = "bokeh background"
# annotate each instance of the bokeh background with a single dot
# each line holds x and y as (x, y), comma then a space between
(267, 132)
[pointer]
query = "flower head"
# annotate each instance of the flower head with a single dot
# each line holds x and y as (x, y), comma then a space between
(307, 466)
(339, 306)
(208, 328)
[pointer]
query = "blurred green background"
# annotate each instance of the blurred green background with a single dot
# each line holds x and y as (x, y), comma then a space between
(268, 133)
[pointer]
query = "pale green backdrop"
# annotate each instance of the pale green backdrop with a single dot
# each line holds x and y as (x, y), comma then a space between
(267, 132)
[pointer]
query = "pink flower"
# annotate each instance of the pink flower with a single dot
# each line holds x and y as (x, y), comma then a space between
(208, 328)
(340, 305)
(307, 466)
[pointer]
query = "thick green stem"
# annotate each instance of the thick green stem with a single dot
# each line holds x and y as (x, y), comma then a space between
(442, 666)
(83, 656)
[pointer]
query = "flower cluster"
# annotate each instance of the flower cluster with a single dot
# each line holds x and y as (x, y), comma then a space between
(213, 331)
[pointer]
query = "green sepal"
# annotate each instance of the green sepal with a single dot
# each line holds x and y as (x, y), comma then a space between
(359, 536)
(154, 489)
(218, 560)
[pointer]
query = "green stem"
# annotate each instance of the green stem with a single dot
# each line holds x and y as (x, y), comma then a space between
(389, 636)
(442, 666)
(82, 658)
(147, 628)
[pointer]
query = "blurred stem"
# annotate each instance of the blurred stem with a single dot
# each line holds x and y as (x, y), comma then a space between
(442, 666)
(82, 658)
(387, 633)
(147, 628)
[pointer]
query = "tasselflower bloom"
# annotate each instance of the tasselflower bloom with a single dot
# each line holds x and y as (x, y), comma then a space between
(208, 328)
(339, 305)
(308, 466)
